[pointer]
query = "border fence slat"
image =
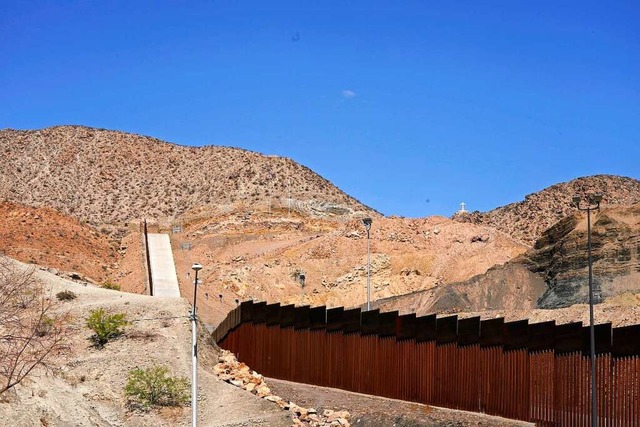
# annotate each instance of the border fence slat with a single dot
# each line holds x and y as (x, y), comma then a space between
(531, 372)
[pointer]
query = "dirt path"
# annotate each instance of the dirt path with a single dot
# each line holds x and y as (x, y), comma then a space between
(372, 411)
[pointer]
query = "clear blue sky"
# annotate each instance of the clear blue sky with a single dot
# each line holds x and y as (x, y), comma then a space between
(411, 107)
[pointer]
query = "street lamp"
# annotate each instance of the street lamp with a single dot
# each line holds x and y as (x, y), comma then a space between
(194, 354)
(367, 225)
(593, 203)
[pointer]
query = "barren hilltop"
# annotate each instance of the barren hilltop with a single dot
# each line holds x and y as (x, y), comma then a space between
(528, 219)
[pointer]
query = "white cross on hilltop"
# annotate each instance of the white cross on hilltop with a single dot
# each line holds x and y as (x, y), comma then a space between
(462, 207)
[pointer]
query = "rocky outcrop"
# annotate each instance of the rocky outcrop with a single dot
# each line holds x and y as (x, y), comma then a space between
(508, 287)
(552, 274)
(240, 375)
(560, 257)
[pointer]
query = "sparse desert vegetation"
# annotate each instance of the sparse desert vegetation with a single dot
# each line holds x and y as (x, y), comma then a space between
(108, 178)
(66, 295)
(31, 331)
(155, 386)
(110, 285)
(105, 326)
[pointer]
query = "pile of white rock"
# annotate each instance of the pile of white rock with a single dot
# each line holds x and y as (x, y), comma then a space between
(230, 370)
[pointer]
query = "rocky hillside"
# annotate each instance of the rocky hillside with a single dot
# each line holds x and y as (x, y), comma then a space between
(528, 219)
(254, 254)
(560, 257)
(297, 260)
(109, 177)
(552, 274)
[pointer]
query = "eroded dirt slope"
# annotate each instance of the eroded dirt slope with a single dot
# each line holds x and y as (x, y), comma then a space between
(297, 260)
(85, 386)
(46, 237)
(71, 248)
(552, 274)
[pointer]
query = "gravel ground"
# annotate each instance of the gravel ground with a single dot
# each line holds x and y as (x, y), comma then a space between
(368, 410)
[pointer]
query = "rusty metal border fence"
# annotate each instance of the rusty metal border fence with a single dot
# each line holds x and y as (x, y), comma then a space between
(532, 372)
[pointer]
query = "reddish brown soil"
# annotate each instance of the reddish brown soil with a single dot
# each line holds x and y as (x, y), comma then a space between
(46, 237)
(131, 273)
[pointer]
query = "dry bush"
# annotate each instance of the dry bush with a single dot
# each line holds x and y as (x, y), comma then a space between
(143, 335)
(66, 295)
(30, 331)
(110, 285)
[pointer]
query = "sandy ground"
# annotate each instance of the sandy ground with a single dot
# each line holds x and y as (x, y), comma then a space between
(86, 387)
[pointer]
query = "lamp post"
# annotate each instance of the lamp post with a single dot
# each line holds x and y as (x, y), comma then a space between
(593, 203)
(194, 353)
(367, 225)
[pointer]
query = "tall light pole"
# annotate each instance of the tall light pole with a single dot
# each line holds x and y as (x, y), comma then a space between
(593, 203)
(194, 353)
(367, 225)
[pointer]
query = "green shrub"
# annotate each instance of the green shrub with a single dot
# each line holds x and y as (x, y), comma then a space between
(106, 326)
(154, 386)
(66, 295)
(46, 325)
(109, 285)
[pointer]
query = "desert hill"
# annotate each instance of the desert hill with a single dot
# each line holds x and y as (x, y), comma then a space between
(261, 255)
(552, 274)
(109, 178)
(528, 219)
(235, 216)
(298, 260)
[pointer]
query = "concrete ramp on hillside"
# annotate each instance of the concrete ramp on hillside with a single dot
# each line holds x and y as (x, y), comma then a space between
(163, 269)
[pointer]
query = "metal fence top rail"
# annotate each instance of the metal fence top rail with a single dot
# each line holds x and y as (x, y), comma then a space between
(515, 335)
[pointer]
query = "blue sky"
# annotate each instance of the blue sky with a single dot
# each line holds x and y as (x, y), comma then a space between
(411, 107)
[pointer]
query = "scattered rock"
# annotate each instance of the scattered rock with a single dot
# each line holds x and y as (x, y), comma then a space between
(263, 390)
(239, 374)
